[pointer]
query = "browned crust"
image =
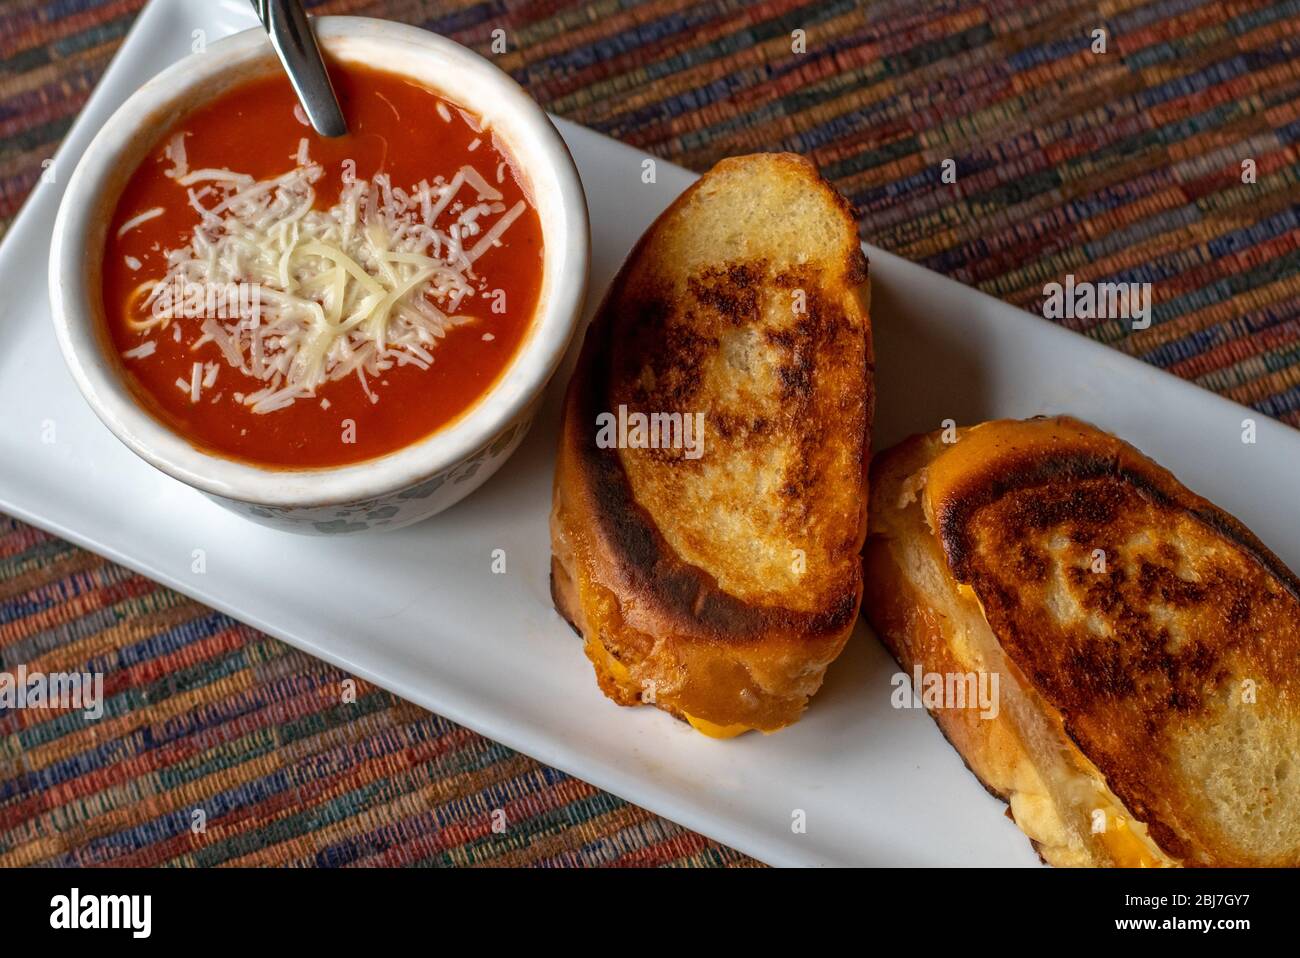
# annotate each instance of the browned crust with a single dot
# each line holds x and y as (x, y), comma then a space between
(916, 633)
(685, 598)
(1075, 460)
(1116, 702)
(712, 646)
(1105, 456)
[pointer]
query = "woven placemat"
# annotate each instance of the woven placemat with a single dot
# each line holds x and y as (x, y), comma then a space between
(1123, 165)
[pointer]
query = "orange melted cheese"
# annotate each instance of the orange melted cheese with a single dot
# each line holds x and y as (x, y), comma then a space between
(623, 677)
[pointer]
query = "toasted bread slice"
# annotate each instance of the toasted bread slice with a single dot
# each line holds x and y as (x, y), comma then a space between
(1145, 641)
(719, 583)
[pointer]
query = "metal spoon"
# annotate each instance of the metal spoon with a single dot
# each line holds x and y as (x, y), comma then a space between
(295, 43)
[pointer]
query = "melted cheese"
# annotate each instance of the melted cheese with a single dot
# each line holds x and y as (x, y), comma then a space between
(623, 677)
(1127, 846)
(714, 730)
(616, 668)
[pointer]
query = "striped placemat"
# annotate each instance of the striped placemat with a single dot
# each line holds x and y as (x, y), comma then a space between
(1008, 144)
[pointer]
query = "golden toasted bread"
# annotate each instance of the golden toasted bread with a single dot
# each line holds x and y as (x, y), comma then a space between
(1145, 641)
(718, 582)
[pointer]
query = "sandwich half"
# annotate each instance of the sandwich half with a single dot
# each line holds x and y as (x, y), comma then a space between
(710, 487)
(1147, 645)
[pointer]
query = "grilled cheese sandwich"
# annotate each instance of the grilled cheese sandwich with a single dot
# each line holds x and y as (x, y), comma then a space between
(1145, 641)
(718, 583)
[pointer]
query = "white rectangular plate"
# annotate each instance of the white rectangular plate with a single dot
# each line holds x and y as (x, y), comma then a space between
(419, 611)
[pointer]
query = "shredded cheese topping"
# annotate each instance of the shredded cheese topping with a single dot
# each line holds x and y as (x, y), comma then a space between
(135, 221)
(370, 283)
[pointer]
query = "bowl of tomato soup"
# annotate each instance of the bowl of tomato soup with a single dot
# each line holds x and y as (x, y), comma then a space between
(328, 335)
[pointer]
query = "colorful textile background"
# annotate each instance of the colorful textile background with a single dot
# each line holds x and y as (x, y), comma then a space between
(1125, 165)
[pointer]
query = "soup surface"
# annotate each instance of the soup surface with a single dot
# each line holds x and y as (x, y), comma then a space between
(297, 301)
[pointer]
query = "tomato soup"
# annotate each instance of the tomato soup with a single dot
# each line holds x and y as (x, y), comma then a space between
(297, 301)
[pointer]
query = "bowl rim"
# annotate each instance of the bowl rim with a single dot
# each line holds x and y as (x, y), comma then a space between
(465, 77)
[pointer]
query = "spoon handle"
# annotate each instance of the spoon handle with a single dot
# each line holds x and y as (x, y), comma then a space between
(295, 43)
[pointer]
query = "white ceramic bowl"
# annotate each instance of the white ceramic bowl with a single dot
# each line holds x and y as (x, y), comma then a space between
(418, 480)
